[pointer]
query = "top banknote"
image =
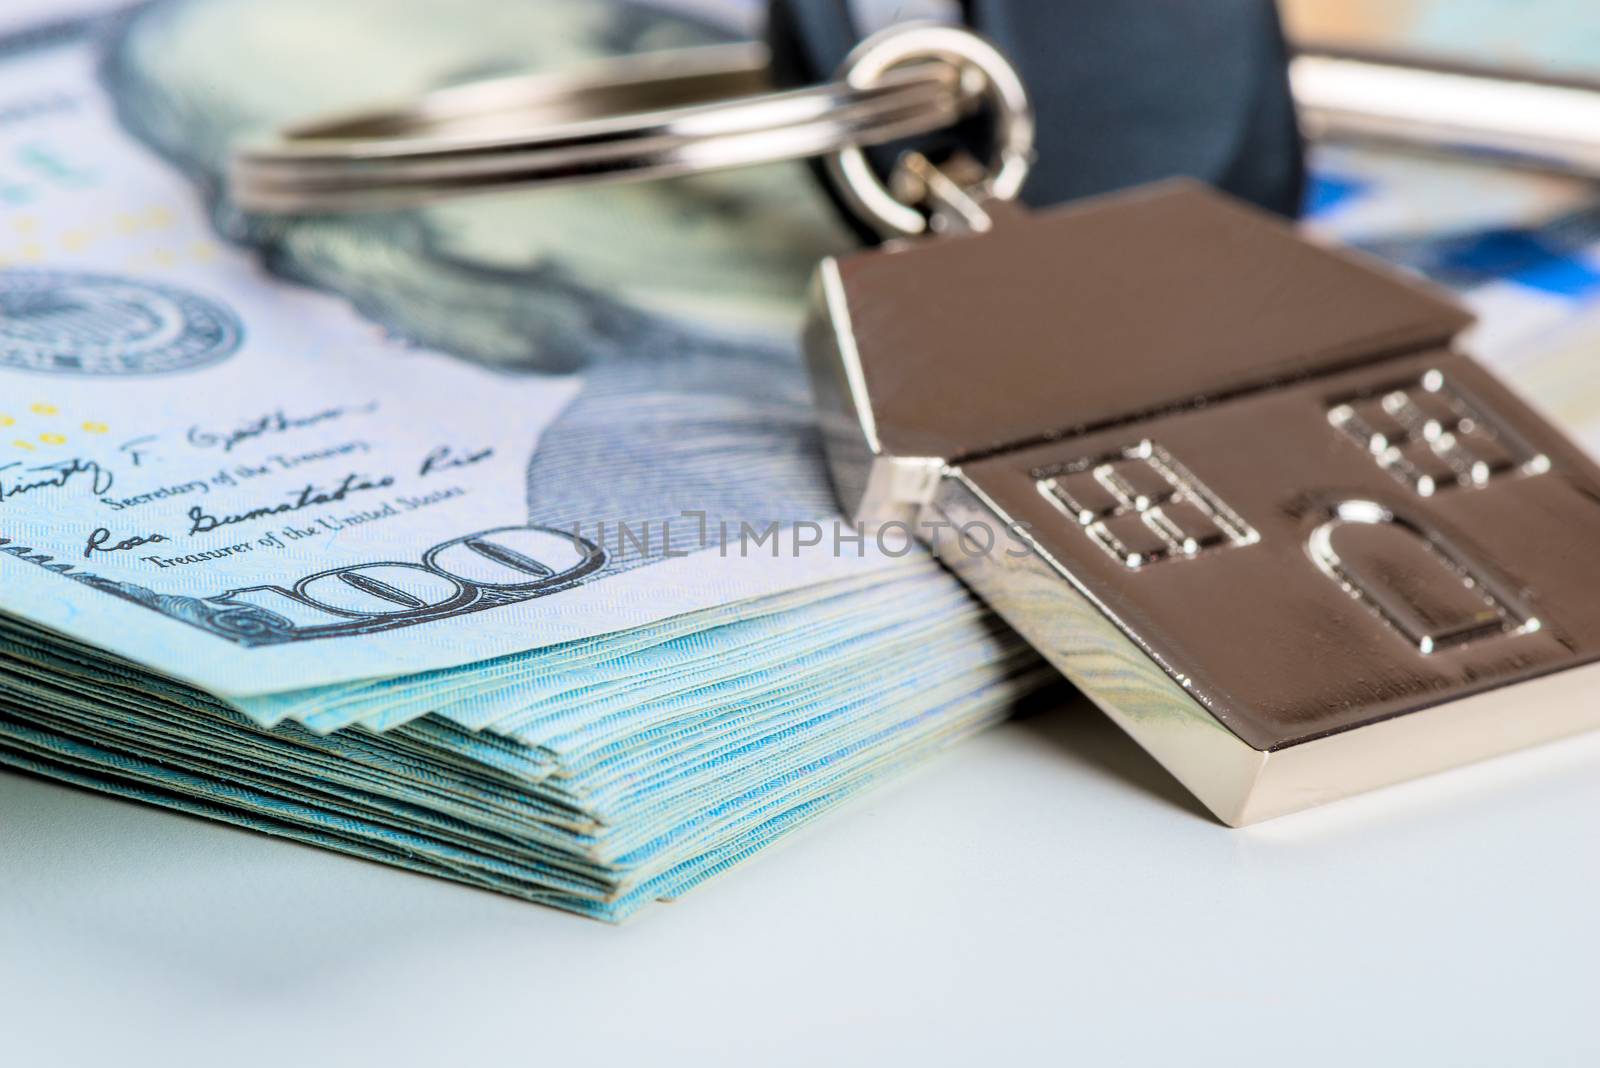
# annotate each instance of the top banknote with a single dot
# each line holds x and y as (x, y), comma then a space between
(242, 482)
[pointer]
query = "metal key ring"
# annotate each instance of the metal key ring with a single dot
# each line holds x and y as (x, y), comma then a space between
(640, 117)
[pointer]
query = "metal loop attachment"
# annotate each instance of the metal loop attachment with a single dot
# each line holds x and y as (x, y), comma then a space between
(923, 197)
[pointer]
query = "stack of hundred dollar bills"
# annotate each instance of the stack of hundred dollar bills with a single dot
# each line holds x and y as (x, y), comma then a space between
(489, 539)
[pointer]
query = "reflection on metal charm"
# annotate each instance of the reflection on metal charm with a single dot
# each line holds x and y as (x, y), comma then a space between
(1289, 540)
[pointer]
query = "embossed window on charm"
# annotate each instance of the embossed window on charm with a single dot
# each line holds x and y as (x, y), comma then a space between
(1140, 505)
(1431, 436)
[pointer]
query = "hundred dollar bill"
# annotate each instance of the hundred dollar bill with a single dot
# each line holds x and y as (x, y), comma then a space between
(388, 542)
(246, 484)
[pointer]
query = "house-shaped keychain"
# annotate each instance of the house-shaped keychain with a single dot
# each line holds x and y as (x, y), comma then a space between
(1238, 487)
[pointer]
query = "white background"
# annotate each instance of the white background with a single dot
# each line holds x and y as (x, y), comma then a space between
(1043, 892)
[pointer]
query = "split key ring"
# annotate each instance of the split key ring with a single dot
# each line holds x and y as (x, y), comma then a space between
(655, 115)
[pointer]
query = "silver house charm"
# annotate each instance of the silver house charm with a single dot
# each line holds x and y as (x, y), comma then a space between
(1237, 487)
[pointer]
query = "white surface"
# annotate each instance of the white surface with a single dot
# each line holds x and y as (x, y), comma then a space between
(1042, 892)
